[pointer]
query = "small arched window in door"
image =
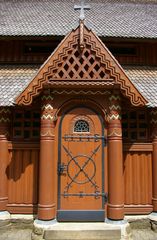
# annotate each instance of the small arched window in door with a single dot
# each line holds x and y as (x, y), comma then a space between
(81, 126)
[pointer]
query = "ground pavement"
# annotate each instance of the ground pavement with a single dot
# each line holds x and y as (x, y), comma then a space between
(22, 230)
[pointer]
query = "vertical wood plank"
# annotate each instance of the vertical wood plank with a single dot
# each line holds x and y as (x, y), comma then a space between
(138, 178)
(22, 176)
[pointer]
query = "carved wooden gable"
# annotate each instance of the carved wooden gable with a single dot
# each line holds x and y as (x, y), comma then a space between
(93, 65)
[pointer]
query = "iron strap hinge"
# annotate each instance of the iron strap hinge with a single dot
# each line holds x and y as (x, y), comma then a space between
(84, 138)
(62, 168)
(82, 194)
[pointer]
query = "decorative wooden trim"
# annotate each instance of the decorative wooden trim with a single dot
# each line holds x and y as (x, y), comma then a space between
(5, 115)
(93, 63)
(32, 209)
(131, 147)
(22, 208)
(115, 111)
(81, 83)
(23, 145)
(80, 92)
(138, 209)
(137, 147)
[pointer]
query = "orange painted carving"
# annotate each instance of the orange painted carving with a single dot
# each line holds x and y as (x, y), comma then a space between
(93, 66)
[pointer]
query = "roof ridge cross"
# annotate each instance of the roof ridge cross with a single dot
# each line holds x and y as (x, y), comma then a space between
(82, 7)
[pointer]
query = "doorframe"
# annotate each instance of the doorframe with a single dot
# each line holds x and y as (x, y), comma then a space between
(87, 215)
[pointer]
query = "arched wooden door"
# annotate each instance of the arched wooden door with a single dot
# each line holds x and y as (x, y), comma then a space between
(81, 194)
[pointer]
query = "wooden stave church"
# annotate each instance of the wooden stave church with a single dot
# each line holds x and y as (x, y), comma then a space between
(31, 166)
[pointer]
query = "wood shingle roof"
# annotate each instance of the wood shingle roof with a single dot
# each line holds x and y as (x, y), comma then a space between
(111, 18)
(14, 79)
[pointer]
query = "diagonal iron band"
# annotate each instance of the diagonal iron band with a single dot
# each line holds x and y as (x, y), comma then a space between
(81, 169)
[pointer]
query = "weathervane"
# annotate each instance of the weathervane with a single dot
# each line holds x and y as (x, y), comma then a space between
(82, 7)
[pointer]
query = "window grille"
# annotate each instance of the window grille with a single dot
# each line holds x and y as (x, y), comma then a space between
(81, 126)
(135, 125)
(26, 124)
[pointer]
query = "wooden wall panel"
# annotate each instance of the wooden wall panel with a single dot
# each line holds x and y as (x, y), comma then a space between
(13, 51)
(138, 178)
(22, 174)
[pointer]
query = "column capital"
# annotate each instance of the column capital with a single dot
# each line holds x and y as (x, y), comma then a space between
(47, 116)
(114, 107)
(114, 127)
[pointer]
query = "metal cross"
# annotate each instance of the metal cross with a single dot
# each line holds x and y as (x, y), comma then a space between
(82, 7)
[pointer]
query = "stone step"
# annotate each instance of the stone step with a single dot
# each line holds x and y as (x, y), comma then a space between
(83, 231)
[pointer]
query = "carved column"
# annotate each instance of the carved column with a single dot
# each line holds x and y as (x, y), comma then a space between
(154, 157)
(46, 206)
(4, 156)
(115, 209)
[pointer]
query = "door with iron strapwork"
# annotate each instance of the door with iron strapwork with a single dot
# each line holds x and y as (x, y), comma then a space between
(81, 195)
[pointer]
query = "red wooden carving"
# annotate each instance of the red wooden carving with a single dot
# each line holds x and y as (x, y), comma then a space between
(93, 66)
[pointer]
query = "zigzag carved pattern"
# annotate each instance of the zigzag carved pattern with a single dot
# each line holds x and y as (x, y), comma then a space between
(153, 121)
(35, 87)
(47, 107)
(49, 97)
(47, 117)
(61, 57)
(4, 120)
(115, 107)
(4, 110)
(153, 112)
(114, 117)
(126, 85)
(5, 115)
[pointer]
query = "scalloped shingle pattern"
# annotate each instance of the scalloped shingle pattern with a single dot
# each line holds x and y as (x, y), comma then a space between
(110, 18)
(15, 78)
(145, 80)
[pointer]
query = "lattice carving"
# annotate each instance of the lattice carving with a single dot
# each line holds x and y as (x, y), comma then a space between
(91, 65)
(79, 65)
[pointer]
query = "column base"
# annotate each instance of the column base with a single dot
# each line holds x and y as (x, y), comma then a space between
(46, 212)
(124, 226)
(115, 222)
(153, 216)
(153, 220)
(115, 212)
(48, 224)
(5, 218)
(40, 227)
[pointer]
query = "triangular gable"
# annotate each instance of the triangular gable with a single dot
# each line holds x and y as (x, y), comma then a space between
(94, 64)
